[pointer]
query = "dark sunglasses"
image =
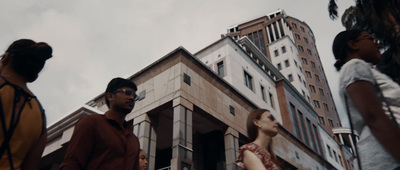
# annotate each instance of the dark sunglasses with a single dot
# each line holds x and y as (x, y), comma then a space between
(271, 117)
(128, 93)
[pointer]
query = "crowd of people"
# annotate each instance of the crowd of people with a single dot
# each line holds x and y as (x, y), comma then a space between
(107, 141)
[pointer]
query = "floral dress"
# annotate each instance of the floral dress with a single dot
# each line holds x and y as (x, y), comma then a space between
(260, 153)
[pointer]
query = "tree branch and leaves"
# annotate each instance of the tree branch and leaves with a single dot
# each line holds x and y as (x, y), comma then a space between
(381, 17)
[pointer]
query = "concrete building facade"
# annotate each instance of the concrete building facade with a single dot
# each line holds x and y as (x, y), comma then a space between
(190, 117)
(290, 45)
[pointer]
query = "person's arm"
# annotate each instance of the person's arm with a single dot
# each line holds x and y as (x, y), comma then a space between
(251, 161)
(32, 159)
(80, 146)
(365, 99)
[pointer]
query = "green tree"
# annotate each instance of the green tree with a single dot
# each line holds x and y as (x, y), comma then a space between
(382, 18)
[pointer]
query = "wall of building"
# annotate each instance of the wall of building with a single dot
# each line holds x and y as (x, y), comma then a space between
(315, 76)
(289, 63)
(332, 149)
(237, 62)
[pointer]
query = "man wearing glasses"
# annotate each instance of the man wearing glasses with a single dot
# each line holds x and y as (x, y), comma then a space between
(106, 141)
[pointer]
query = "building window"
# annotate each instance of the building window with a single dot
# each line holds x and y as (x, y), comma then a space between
(294, 25)
(316, 77)
(287, 63)
(326, 107)
(321, 120)
(290, 77)
(262, 45)
(220, 66)
(312, 64)
(276, 53)
(263, 93)
(340, 160)
(283, 49)
(330, 123)
(321, 92)
(279, 66)
(301, 48)
(292, 112)
(316, 104)
(302, 128)
(248, 80)
(231, 110)
(297, 36)
(312, 88)
(295, 63)
(334, 154)
(250, 36)
(301, 70)
(304, 83)
(304, 60)
(302, 28)
(329, 150)
(310, 134)
(305, 40)
(271, 99)
(308, 74)
(309, 52)
(299, 77)
(317, 139)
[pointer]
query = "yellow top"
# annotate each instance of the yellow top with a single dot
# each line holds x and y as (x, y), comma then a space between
(28, 130)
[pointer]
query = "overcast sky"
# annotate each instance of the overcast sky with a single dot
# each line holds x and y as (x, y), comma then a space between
(96, 40)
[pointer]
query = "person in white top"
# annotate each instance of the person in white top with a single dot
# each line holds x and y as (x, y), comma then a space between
(362, 87)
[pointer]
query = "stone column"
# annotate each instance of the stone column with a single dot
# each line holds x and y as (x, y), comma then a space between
(147, 138)
(341, 139)
(182, 152)
(231, 148)
(352, 145)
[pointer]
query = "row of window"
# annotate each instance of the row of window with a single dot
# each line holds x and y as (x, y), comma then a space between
(305, 61)
(337, 156)
(295, 26)
(276, 52)
(320, 90)
(297, 36)
(304, 129)
(308, 75)
(302, 50)
(316, 105)
(322, 121)
(248, 82)
(257, 38)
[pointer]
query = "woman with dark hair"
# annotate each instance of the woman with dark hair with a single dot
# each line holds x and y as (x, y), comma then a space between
(142, 160)
(372, 99)
(259, 155)
(23, 123)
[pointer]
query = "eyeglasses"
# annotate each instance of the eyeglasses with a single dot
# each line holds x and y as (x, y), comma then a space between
(271, 117)
(128, 93)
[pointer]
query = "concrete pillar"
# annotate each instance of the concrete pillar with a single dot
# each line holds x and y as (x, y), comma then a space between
(352, 145)
(341, 139)
(231, 148)
(147, 138)
(182, 144)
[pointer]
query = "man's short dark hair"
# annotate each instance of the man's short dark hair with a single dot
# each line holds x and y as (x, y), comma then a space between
(117, 83)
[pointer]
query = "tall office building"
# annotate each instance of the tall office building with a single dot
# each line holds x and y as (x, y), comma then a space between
(290, 46)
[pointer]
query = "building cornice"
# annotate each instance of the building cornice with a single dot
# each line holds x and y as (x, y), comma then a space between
(57, 128)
